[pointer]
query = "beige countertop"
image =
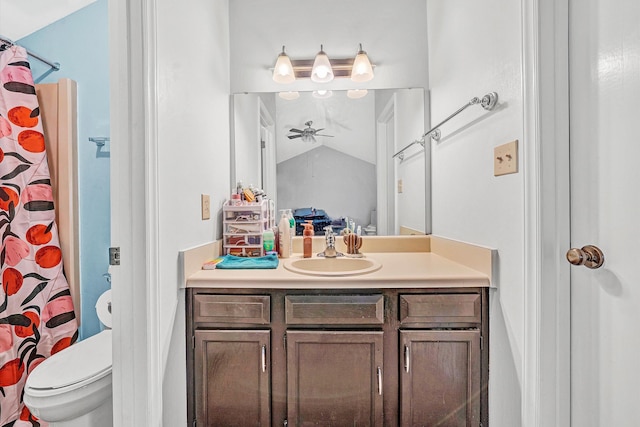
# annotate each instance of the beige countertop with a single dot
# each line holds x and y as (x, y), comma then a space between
(435, 262)
(405, 270)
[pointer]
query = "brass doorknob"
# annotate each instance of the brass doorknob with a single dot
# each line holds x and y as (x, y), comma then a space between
(590, 256)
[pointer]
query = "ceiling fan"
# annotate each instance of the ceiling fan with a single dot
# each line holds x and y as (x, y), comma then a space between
(307, 134)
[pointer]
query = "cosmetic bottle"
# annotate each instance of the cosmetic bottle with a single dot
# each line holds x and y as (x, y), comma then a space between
(307, 240)
(284, 236)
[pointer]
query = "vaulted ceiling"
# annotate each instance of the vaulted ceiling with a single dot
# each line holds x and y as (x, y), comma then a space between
(19, 18)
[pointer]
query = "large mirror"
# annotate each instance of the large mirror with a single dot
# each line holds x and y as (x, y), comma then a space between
(332, 156)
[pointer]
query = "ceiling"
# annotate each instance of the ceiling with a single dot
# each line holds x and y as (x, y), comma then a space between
(19, 18)
(350, 121)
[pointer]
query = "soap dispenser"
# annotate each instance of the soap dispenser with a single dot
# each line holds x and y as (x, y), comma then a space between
(284, 236)
(307, 240)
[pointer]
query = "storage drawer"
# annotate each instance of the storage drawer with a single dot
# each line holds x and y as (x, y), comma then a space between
(334, 309)
(439, 308)
(227, 309)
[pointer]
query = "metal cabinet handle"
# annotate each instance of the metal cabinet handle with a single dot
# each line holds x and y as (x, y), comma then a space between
(407, 358)
(264, 358)
(590, 256)
(379, 380)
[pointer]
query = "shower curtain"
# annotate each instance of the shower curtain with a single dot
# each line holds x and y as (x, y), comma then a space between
(36, 310)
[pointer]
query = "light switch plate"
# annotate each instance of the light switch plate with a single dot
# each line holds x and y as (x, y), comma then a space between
(206, 206)
(505, 158)
(400, 186)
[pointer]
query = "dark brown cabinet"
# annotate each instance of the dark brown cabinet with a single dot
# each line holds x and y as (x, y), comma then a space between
(232, 378)
(440, 378)
(340, 357)
(334, 378)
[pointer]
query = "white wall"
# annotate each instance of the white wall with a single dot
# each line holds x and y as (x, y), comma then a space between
(475, 48)
(193, 158)
(323, 178)
(246, 139)
(410, 108)
(392, 33)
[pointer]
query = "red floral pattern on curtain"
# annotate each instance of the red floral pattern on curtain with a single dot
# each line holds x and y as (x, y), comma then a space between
(36, 310)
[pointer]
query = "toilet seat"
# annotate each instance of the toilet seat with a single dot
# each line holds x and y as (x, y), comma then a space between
(83, 363)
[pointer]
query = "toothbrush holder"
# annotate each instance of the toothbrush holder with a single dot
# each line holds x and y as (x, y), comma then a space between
(354, 243)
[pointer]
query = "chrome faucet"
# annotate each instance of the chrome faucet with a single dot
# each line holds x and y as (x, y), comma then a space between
(330, 239)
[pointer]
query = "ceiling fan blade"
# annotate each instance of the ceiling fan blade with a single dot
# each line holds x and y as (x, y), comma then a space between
(319, 134)
(317, 130)
(294, 136)
(295, 130)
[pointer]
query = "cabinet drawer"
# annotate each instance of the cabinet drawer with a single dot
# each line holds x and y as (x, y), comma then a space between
(334, 309)
(435, 308)
(232, 309)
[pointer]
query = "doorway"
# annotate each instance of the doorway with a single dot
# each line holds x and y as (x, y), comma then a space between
(385, 169)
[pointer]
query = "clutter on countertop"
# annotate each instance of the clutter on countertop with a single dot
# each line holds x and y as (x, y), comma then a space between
(233, 262)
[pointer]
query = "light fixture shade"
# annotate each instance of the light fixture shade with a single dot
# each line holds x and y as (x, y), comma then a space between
(289, 96)
(283, 71)
(321, 71)
(357, 93)
(322, 94)
(362, 71)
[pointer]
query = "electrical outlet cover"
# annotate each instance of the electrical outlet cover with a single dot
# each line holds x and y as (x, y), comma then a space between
(206, 207)
(505, 158)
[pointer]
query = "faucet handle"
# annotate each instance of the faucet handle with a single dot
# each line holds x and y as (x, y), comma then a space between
(328, 232)
(330, 237)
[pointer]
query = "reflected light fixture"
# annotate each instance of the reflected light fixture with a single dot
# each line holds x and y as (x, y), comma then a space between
(321, 71)
(357, 93)
(283, 71)
(322, 94)
(362, 70)
(289, 96)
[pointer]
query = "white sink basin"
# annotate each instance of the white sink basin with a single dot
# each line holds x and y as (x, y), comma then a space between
(342, 266)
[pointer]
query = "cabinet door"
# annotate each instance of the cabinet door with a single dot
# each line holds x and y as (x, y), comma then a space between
(334, 378)
(232, 378)
(440, 378)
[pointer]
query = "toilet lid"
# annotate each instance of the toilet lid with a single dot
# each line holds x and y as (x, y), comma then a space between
(75, 366)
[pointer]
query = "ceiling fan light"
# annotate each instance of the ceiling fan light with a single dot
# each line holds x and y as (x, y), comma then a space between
(321, 72)
(283, 70)
(322, 94)
(357, 93)
(290, 95)
(362, 71)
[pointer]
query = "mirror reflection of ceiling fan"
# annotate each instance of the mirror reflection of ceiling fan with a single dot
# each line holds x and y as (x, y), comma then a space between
(308, 134)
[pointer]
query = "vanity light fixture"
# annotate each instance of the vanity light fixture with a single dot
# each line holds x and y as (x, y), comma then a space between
(322, 94)
(357, 93)
(321, 72)
(283, 71)
(321, 69)
(290, 95)
(362, 70)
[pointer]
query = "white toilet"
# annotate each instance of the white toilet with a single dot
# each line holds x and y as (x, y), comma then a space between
(72, 388)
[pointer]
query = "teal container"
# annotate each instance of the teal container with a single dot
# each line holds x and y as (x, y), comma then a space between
(268, 241)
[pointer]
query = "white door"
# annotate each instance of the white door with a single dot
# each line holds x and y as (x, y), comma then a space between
(605, 211)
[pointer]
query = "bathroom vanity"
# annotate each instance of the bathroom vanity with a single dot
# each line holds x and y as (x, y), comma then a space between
(404, 345)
